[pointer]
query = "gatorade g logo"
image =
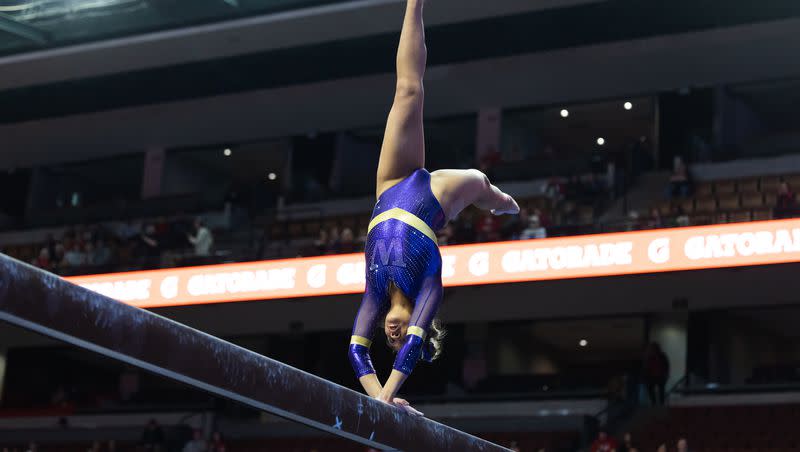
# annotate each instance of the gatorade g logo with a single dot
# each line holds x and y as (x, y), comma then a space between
(388, 254)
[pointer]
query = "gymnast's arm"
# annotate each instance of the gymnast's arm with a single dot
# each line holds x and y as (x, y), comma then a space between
(360, 343)
(416, 346)
(403, 149)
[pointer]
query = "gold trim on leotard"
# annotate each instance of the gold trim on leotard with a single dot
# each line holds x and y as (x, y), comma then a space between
(416, 331)
(407, 218)
(360, 340)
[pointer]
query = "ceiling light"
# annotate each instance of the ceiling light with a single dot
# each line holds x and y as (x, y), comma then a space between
(564, 113)
(583, 343)
(227, 152)
(272, 176)
(601, 141)
(628, 105)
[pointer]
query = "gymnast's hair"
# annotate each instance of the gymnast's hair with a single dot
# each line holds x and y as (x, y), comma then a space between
(436, 337)
(435, 342)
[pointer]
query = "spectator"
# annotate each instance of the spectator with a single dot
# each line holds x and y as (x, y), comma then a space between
(534, 229)
(149, 249)
(656, 371)
(203, 240)
(153, 437)
(100, 253)
(32, 447)
(112, 446)
(680, 182)
(74, 255)
(683, 445)
(43, 260)
(627, 444)
(514, 446)
(655, 221)
(604, 443)
(662, 448)
(445, 235)
(128, 230)
(362, 238)
(488, 228)
(785, 204)
(217, 443)
(347, 243)
(513, 225)
(321, 243)
(197, 444)
(333, 241)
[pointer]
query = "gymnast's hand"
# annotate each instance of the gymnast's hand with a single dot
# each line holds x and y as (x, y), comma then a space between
(400, 403)
(403, 403)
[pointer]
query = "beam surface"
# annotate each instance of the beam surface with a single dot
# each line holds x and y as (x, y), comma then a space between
(44, 303)
(23, 30)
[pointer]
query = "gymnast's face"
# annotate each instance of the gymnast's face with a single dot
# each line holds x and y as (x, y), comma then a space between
(396, 325)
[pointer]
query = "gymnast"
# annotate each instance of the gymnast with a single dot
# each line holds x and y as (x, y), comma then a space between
(403, 264)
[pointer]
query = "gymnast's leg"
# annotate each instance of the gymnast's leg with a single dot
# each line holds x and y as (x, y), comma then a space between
(403, 149)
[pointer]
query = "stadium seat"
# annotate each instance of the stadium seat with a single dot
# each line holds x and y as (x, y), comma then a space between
(687, 205)
(729, 202)
(725, 187)
(705, 205)
(748, 185)
(752, 200)
(739, 217)
(703, 189)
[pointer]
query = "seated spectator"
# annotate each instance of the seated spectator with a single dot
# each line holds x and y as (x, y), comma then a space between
(683, 445)
(333, 241)
(100, 253)
(627, 444)
(347, 243)
(514, 446)
(321, 243)
(654, 221)
(153, 437)
(127, 230)
(488, 228)
(203, 240)
(604, 443)
(197, 444)
(785, 205)
(217, 443)
(680, 182)
(43, 260)
(534, 230)
(74, 256)
(445, 235)
(513, 225)
(662, 448)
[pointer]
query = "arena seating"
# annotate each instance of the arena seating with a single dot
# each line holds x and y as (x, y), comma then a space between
(729, 200)
(767, 428)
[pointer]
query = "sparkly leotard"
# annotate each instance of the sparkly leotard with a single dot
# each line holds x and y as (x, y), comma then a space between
(401, 249)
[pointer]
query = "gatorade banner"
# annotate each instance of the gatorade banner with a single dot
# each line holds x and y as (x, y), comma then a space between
(652, 251)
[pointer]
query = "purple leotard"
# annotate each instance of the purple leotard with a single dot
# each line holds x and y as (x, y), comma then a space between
(401, 250)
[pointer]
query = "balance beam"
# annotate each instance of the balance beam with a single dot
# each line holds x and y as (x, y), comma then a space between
(44, 303)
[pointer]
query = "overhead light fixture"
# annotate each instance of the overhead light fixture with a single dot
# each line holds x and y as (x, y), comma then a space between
(583, 343)
(227, 152)
(601, 141)
(272, 176)
(564, 113)
(628, 105)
